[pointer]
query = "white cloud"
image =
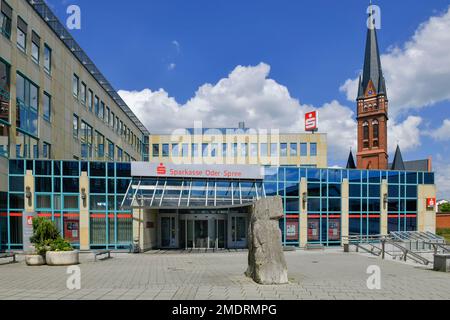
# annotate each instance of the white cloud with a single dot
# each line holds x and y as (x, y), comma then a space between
(177, 45)
(171, 66)
(442, 133)
(247, 94)
(406, 134)
(442, 170)
(417, 73)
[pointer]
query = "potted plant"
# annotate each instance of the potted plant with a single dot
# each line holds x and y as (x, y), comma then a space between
(44, 232)
(61, 253)
(49, 247)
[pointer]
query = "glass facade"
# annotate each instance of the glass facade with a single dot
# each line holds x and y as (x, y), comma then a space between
(57, 197)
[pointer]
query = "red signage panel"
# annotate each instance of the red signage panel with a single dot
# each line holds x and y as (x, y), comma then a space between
(311, 121)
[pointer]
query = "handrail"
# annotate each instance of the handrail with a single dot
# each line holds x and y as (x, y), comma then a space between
(406, 253)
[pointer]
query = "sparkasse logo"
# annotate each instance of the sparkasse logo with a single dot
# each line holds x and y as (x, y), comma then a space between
(161, 169)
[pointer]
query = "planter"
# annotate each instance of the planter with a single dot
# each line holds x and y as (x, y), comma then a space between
(62, 258)
(34, 260)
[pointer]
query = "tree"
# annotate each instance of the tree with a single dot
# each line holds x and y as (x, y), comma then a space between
(445, 207)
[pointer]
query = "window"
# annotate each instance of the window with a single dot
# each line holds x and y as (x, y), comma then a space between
(234, 150)
(110, 150)
(47, 106)
(119, 154)
(175, 150)
(205, 150)
(214, 150)
(27, 105)
(303, 149)
(96, 106)
(46, 151)
(313, 150)
(283, 149)
(112, 121)
(165, 150)
(244, 150)
(117, 124)
(26, 146)
(264, 150)
(83, 93)
(155, 151)
(75, 126)
(366, 134)
(273, 149)
(376, 129)
(89, 99)
(101, 114)
(5, 19)
(224, 149)
(47, 59)
(293, 150)
(35, 47)
(87, 140)
(100, 145)
(254, 150)
(185, 150)
(107, 115)
(22, 29)
(194, 150)
(75, 86)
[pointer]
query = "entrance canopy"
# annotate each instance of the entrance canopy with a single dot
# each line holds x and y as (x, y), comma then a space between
(192, 193)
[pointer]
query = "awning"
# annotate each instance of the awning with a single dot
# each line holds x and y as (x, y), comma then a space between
(168, 193)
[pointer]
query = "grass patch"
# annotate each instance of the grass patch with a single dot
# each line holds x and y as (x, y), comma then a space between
(444, 233)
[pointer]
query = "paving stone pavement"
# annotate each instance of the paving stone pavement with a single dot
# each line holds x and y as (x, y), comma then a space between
(324, 275)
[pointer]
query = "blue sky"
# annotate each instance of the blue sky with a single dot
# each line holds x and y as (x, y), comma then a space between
(311, 47)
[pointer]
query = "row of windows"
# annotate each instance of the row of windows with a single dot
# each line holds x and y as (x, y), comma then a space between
(375, 125)
(103, 112)
(234, 149)
(94, 145)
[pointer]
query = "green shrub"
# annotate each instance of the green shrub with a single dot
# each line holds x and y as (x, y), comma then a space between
(46, 237)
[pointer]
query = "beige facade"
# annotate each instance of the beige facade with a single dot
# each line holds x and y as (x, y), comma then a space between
(56, 135)
(233, 147)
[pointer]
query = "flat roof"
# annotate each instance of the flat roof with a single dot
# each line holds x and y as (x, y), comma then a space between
(54, 24)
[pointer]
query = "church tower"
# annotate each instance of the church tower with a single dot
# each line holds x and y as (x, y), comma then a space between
(372, 108)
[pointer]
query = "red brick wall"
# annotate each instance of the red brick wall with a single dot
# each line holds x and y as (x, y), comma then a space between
(443, 221)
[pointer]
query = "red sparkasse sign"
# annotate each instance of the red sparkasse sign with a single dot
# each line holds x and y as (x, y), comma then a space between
(311, 121)
(431, 202)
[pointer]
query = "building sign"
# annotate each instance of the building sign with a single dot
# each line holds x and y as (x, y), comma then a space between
(292, 230)
(27, 229)
(311, 121)
(170, 170)
(431, 203)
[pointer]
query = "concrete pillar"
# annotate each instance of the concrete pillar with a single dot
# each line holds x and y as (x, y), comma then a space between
(303, 213)
(29, 187)
(426, 217)
(384, 209)
(138, 230)
(84, 212)
(344, 212)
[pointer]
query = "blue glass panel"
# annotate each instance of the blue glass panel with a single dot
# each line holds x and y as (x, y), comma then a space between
(393, 177)
(292, 174)
(374, 177)
(293, 204)
(56, 168)
(411, 177)
(271, 174)
(393, 205)
(71, 169)
(314, 205)
(271, 188)
(16, 167)
(43, 168)
(43, 184)
(355, 205)
(313, 175)
(428, 178)
(374, 191)
(16, 184)
(411, 191)
(411, 205)
(292, 189)
(354, 176)
(97, 186)
(123, 170)
(122, 185)
(355, 190)
(334, 176)
(313, 189)
(334, 205)
(71, 185)
(334, 190)
(393, 191)
(281, 174)
(374, 205)
(97, 169)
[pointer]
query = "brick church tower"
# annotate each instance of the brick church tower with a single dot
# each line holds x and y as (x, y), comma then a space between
(372, 109)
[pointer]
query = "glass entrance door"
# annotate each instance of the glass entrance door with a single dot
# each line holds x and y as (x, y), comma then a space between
(238, 231)
(203, 231)
(168, 231)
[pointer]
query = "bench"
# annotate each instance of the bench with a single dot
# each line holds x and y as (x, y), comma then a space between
(314, 246)
(8, 255)
(101, 253)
